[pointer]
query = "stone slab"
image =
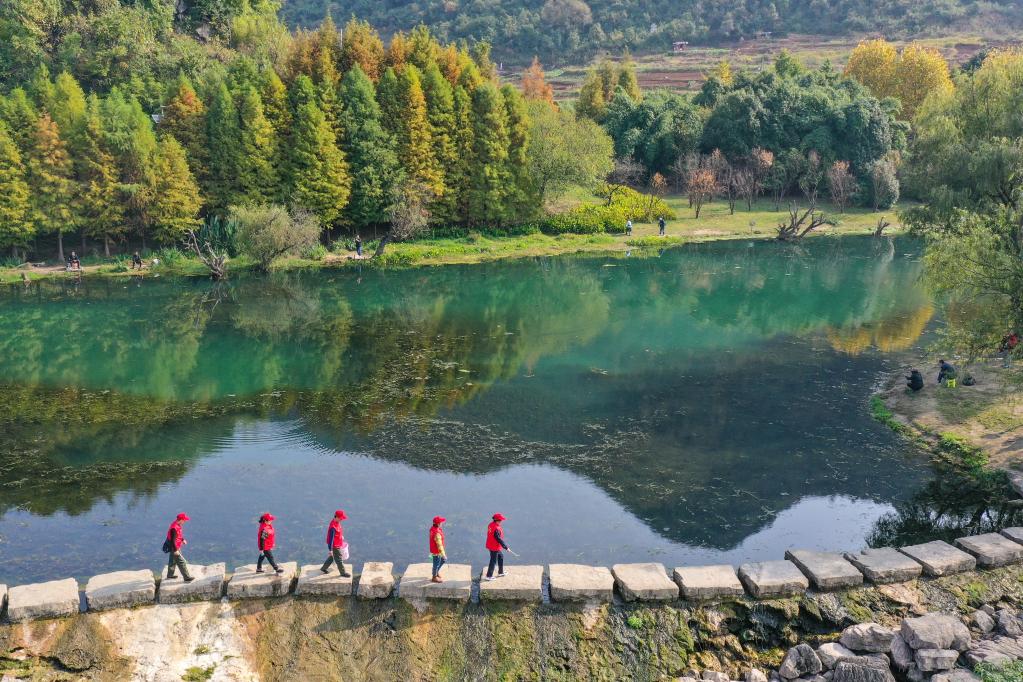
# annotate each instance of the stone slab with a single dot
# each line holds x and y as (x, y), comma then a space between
(208, 584)
(54, 599)
(644, 582)
(826, 570)
(772, 579)
(708, 582)
(940, 558)
(415, 582)
(885, 565)
(520, 583)
(312, 581)
(245, 583)
(376, 580)
(1015, 534)
(576, 582)
(992, 549)
(120, 589)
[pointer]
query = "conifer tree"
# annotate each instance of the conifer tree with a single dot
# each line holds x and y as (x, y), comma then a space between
(440, 112)
(275, 103)
(627, 80)
(128, 131)
(15, 224)
(389, 98)
(258, 181)
(302, 92)
(489, 179)
(67, 107)
(224, 140)
(422, 48)
(326, 80)
(361, 45)
(176, 200)
(184, 117)
(413, 136)
(40, 88)
(368, 149)
(320, 180)
(19, 114)
(464, 141)
(534, 84)
(51, 179)
(99, 206)
(521, 201)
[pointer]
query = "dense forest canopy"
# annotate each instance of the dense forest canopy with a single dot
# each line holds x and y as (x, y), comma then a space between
(563, 30)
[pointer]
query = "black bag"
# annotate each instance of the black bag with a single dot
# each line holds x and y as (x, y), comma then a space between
(167, 546)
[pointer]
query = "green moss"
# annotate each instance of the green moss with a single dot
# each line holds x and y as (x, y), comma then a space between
(975, 594)
(197, 674)
(635, 622)
(880, 412)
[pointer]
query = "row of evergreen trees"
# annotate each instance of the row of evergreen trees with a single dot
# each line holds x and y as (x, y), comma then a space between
(335, 127)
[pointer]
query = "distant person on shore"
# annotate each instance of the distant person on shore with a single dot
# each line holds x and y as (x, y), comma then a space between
(628, 227)
(437, 550)
(946, 373)
(73, 262)
(336, 544)
(136, 260)
(266, 540)
(1009, 344)
(358, 246)
(661, 225)
(172, 547)
(496, 543)
(915, 380)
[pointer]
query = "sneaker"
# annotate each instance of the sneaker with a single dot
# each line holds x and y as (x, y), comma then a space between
(324, 571)
(435, 579)
(346, 575)
(500, 575)
(279, 570)
(189, 579)
(260, 570)
(489, 578)
(171, 577)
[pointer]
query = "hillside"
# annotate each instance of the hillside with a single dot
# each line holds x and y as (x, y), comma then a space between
(561, 31)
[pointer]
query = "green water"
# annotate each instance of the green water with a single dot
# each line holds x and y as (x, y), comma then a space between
(708, 404)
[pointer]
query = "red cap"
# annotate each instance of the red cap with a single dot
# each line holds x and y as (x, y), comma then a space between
(340, 514)
(438, 520)
(499, 516)
(267, 517)
(183, 517)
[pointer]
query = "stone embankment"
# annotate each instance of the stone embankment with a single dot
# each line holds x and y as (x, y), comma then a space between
(715, 623)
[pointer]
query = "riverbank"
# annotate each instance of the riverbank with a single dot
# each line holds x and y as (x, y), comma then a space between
(715, 223)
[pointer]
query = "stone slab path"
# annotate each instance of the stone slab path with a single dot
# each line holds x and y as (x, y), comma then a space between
(120, 589)
(415, 582)
(644, 582)
(708, 582)
(313, 581)
(53, 599)
(376, 580)
(520, 583)
(575, 582)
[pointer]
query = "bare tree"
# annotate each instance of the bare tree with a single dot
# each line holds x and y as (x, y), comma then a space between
(702, 184)
(841, 184)
(881, 225)
(627, 172)
(811, 176)
(801, 224)
(215, 262)
(680, 169)
(760, 163)
(656, 189)
(746, 185)
(408, 212)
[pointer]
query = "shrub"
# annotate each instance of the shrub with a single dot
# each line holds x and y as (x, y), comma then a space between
(266, 233)
(639, 207)
(316, 252)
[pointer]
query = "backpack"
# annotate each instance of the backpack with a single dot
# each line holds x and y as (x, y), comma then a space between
(167, 546)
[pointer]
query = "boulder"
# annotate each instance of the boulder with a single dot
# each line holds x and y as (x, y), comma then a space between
(862, 669)
(799, 661)
(940, 558)
(995, 651)
(520, 583)
(869, 637)
(935, 631)
(314, 582)
(576, 582)
(767, 579)
(247, 584)
(1015, 534)
(914, 674)
(208, 584)
(1008, 623)
(713, 676)
(644, 582)
(377, 580)
(931, 660)
(984, 622)
(992, 549)
(957, 675)
(826, 570)
(902, 653)
(708, 582)
(830, 653)
(121, 589)
(755, 675)
(54, 599)
(885, 565)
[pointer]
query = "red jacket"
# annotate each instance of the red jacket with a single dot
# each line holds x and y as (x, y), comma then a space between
(176, 536)
(335, 534)
(436, 540)
(495, 537)
(266, 536)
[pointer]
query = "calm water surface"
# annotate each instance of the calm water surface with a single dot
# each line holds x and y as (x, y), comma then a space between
(705, 405)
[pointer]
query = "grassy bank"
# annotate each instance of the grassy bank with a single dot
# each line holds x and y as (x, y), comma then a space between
(715, 223)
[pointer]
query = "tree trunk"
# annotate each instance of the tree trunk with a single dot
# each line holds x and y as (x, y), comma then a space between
(382, 245)
(60, 246)
(106, 246)
(143, 242)
(83, 244)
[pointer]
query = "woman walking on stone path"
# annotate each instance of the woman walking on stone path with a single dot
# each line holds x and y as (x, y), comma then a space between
(495, 543)
(267, 539)
(336, 544)
(172, 547)
(437, 551)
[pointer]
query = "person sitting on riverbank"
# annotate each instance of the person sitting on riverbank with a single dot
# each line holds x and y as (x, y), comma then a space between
(336, 544)
(437, 550)
(136, 260)
(172, 547)
(266, 539)
(946, 373)
(915, 380)
(73, 263)
(495, 543)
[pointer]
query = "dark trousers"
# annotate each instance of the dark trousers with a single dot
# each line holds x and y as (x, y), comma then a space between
(496, 557)
(269, 556)
(176, 561)
(438, 561)
(335, 557)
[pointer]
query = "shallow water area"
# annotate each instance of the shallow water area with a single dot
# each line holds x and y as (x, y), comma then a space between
(705, 405)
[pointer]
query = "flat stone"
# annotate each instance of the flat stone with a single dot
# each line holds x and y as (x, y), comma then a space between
(885, 565)
(644, 582)
(826, 570)
(520, 583)
(376, 580)
(575, 582)
(708, 582)
(208, 584)
(772, 579)
(935, 631)
(415, 582)
(1008, 623)
(867, 637)
(992, 549)
(862, 669)
(245, 583)
(314, 582)
(53, 599)
(957, 675)
(940, 558)
(996, 651)
(830, 653)
(932, 660)
(121, 589)
(1016, 481)
(1015, 533)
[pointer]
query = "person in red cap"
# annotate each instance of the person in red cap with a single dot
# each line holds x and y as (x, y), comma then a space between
(172, 546)
(336, 544)
(266, 539)
(495, 543)
(437, 551)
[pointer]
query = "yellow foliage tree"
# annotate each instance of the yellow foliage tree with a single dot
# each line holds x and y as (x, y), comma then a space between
(910, 76)
(873, 63)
